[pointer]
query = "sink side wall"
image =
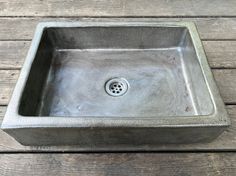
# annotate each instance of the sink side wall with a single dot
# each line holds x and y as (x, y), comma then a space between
(116, 37)
(195, 79)
(32, 94)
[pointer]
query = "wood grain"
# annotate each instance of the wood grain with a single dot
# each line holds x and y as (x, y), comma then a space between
(209, 28)
(117, 8)
(226, 81)
(2, 112)
(221, 54)
(7, 82)
(134, 164)
(12, 54)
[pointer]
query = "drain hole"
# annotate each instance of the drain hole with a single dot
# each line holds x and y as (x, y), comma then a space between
(116, 87)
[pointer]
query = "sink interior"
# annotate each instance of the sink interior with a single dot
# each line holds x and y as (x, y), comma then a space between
(73, 66)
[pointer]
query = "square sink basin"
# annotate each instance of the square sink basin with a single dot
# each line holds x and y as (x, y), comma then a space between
(115, 85)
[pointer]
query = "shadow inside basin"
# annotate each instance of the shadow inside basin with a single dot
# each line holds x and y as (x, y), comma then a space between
(72, 66)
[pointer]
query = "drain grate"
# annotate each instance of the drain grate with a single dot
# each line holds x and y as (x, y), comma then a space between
(116, 87)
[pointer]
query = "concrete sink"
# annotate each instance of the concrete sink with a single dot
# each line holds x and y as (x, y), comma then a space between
(123, 84)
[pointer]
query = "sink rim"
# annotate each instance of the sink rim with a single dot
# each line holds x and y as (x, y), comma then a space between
(13, 119)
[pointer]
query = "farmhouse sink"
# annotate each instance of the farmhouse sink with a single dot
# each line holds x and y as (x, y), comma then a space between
(122, 84)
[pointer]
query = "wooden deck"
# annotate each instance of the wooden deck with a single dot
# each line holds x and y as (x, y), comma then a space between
(216, 23)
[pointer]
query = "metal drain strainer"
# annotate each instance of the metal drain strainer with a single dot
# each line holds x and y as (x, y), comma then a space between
(116, 87)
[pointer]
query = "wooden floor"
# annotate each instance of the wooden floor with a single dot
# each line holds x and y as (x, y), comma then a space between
(216, 23)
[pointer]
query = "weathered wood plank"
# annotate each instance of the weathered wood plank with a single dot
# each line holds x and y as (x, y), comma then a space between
(225, 79)
(221, 54)
(2, 112)
(226, 141)
(117, 8)
(165, 164)
(209, 28)
(7, 82)
(12, 54)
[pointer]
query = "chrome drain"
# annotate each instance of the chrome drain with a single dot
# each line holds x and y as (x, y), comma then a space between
(116, 87)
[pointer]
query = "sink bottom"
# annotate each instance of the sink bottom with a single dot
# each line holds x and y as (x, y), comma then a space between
(157, 80)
